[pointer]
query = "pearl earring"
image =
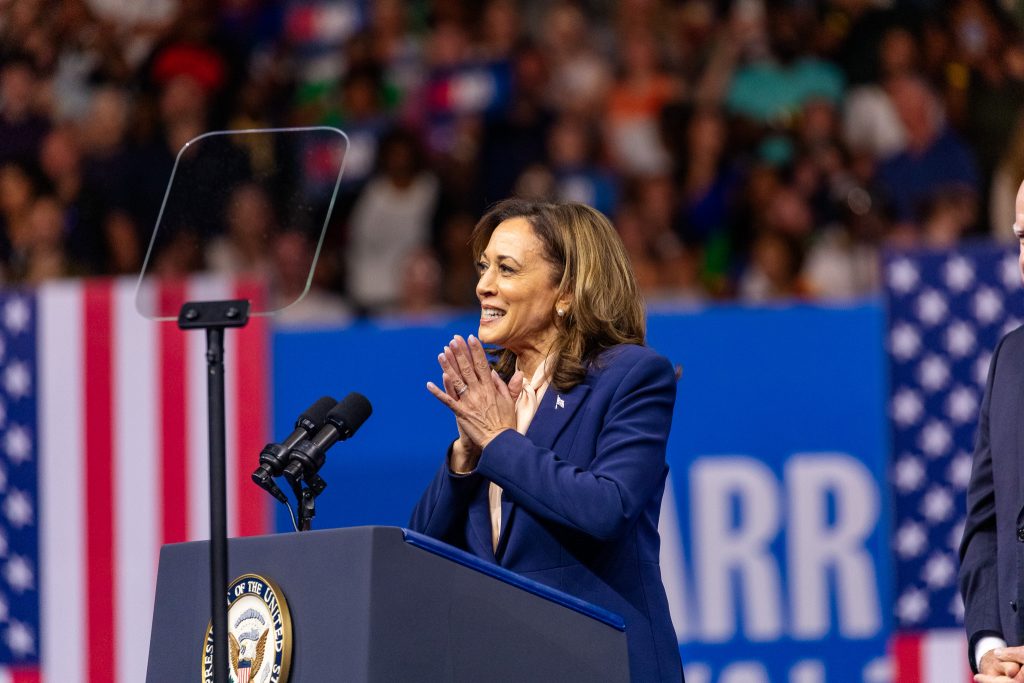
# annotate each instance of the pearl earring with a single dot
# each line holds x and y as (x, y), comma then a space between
(560, 312)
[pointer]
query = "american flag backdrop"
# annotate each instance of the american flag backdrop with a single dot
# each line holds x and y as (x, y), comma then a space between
(947, 312)
(103, 458)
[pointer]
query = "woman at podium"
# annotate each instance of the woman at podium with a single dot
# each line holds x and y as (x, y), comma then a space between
(559, 466)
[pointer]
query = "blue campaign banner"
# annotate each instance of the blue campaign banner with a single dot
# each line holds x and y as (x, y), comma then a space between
(775, 524)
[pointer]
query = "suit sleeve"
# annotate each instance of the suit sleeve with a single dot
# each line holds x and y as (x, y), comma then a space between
(604, 499)
(441, 510)
(978, 570)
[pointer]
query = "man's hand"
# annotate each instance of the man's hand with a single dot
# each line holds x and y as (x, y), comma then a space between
(1002, 665)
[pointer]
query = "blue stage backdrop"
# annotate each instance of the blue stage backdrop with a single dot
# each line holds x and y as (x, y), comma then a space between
(775, 526)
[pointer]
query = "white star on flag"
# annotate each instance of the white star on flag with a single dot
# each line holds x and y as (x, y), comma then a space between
(959, 471)
(16, 315)
(960, 339)
(936, 439)
(18, 574)
(909, 474)
(959, 274)
(939, 570)
(904, 342)
(17, 444)
(17, 380)
(911, 540)
(17, 508)
(903, 275)
(912, 606)
(933, 373)
(931, 307)
(987, 306)
(1010, 325)
(907, 407)
(937, 504)
(18, 637)
(962, 405)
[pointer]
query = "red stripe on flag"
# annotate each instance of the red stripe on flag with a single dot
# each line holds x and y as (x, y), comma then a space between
(906, 656)
(98, 399)
(251, 415)
(173, 398)
(25, 676)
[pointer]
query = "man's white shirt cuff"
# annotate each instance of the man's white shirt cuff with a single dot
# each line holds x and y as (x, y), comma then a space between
(984, 645)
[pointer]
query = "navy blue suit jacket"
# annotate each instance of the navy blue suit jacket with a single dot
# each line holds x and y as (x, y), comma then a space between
(582, 495)
(992, 550)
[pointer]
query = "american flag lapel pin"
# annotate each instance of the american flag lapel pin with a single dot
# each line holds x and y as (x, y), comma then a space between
(559, 403)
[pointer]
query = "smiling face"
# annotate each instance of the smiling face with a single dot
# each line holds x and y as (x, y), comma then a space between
(518, 292)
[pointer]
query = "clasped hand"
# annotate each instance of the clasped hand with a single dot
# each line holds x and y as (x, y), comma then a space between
(1002, 665)
(484, 406)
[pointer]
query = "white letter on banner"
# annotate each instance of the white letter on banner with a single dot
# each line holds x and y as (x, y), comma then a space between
(807, 671)
(720, 548)
(673, 567)
(744, 672)
(697, 673)
(816, 547)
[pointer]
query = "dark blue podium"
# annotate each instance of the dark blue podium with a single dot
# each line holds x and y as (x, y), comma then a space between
(383, 604)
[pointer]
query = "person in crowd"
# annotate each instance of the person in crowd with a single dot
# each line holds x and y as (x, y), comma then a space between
(420, 292)
(580, 76)
(634, 106)
(20, 185)
(774, 273)
(559, 466)
(394, 214)
(250, 223)
(46, 256)
(572, 150)
(459, 272)
(297, 305)
(935, 159)
(991, 551)
(22, 126)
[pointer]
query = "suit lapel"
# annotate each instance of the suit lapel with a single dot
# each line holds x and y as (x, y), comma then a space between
(555, 412)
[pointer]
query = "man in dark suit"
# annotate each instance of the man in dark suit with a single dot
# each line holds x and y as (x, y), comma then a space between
(992, 550)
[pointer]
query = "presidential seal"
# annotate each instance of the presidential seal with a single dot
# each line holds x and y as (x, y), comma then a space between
(259, 633)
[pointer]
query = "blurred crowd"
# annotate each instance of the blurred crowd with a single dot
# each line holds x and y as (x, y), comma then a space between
(748, 149)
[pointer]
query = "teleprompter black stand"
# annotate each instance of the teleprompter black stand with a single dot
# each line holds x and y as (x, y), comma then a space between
(215, 317)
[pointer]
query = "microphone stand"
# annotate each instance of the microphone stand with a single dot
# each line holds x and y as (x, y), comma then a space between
(214, 317)
(305, 496)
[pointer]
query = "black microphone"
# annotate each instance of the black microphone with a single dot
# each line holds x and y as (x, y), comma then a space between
(274, 456)
(308, 455)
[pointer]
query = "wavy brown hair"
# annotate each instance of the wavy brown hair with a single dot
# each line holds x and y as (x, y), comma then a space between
(589, 266)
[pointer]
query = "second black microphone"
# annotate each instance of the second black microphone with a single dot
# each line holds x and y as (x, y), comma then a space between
(308, 456)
